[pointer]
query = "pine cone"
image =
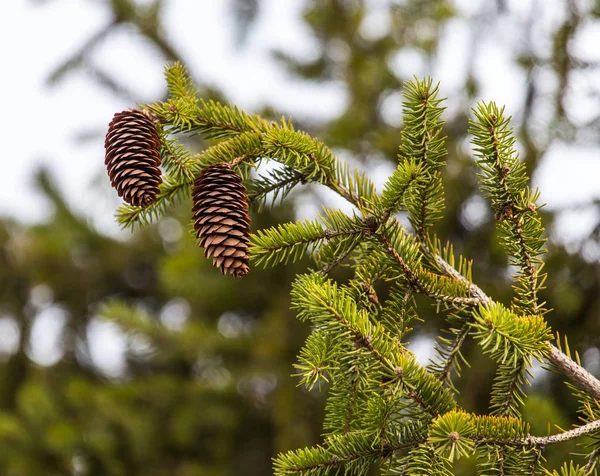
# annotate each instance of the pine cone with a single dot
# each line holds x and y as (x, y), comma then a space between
(221, 221)
(133, 157)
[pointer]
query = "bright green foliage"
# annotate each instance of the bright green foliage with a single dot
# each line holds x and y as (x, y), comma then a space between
(353, 453)
(176, 160)
(504, 182)
(463, 266)
(425, 460)
(290, 242)
(383, 407)
(357, 188)
(450, 435)
(279, 182)
(399, 310)
(394, 192)
(571, 470)
(512, 341)
(417, 181)
(215, 120)
(449, 358)
(161, 418)
(508, 337)
(246, 144)
(171, 192)
(368, 357)
(314, 362)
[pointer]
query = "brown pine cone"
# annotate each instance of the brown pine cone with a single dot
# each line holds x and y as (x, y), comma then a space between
(221, 220)
(133, 157)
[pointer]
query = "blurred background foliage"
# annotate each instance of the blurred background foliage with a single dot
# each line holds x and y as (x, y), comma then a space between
(186, 372)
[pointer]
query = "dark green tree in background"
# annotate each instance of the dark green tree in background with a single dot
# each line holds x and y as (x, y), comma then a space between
(205, 388)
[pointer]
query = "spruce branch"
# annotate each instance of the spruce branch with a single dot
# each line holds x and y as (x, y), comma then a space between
(560, 361)
(394, 191)
(507, 391)
(352, 453)
(179, 82)
(512, 341)
(325, 304)
(425, 282)
(240, 148)
(422, 142)
(290, 242)
(503, 431)
(564, 436)
(425, 461)
(398, 312)
(170, 192)
(337, 250)
(349, 413)
(279, 182)
(348, 392)
(216, 120)
(176, 160)
(316, 362)
(449, 353)
(504, 182)
(574, 372)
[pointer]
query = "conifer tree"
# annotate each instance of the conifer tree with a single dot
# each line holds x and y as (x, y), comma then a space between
(384, 408)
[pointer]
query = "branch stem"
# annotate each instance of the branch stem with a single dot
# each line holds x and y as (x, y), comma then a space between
(564, 436)
(570, 369)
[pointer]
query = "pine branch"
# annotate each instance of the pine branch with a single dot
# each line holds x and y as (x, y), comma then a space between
(508, 337)
(243, 147)
(322, 302)
(170, 193)
(337, 250)
(351, 401)
(356, 344)
(563, 364)
(424, 461)
(215, 120)
(316, 362)
(356, 187)
(280, 182)
(347, 394)
(398, 312)
(353, 453)
(564, 436)
(507, 391)
(503, 181)
(401, 180)
(290, 242)
(416, 281)
(179, 82)
(176, 161)
(576, 373)
(449, 354)
(422, 142)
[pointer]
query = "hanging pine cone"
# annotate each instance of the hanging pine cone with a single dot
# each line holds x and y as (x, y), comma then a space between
(133, 157)
(221, 221)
